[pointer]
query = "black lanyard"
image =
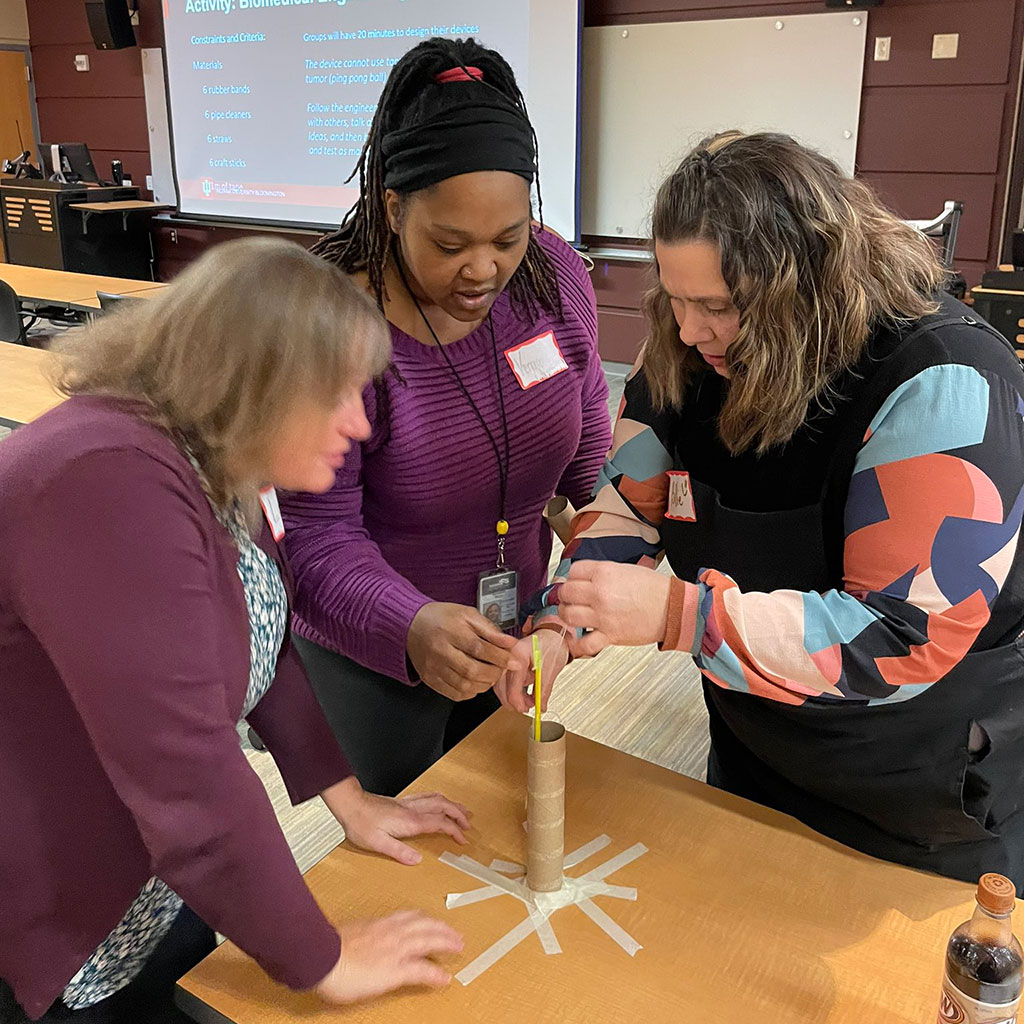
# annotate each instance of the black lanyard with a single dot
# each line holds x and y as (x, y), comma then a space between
(501, 526)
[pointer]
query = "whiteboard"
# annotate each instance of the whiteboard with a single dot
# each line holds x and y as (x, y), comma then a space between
(651, 92)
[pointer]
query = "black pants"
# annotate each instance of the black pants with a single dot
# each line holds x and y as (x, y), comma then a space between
(966, 861)
(148, 998)
(389, 732)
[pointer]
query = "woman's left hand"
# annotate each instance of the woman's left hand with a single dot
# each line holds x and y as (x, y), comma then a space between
(621, 604)
(379, 823)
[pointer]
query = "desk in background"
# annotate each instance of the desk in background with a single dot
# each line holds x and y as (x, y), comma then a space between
(25, 390)
(1003, 308)
(42, 227)
(743, 914)
(37, 286)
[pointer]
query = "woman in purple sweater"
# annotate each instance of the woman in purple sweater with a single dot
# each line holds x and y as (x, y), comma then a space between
(495, 400)
(143, 612)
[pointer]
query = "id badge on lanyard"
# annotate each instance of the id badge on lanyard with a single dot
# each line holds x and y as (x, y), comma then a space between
(497, 597)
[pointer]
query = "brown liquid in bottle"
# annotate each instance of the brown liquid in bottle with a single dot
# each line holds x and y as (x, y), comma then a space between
(984, 961)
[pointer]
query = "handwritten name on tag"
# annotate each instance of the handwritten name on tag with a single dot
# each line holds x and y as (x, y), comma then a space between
(680, 497)
(536, 360)
(272, 510)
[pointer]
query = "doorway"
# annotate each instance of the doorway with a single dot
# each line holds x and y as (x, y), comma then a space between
(17, 107)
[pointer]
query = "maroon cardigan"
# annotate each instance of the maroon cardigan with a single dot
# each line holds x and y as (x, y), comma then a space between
(124, 662)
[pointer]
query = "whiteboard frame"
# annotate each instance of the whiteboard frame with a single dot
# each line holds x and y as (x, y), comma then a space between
(800, 74)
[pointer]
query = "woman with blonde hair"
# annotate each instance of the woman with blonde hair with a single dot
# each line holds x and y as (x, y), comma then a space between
(143, 612)
(830, 453)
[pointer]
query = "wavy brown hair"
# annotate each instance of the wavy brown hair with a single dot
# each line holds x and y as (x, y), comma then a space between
(252, 329)
(814, 262)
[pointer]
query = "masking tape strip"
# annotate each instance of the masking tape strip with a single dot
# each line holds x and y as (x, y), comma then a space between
(545, 932)
(617, 892)
(464, 899)
(540, 906)
(609, 867)
(614, 931)
(580, 855)
(474, 868)
(506, 867)
(493, 954)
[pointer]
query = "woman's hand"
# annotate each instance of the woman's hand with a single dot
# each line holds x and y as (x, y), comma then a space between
(620, 604)
(457, 651)
(511, 688)
(379, 823)
(391, 952)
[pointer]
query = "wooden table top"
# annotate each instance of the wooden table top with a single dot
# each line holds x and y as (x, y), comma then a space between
(120, 206)
(62, 287)
(25, 392)
(743, 914)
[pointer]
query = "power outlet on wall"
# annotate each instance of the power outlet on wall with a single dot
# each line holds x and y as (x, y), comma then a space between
(81, 62)
(945, 46)
(883, 47)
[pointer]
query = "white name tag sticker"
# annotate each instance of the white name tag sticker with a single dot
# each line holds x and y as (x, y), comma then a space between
(272, 510)
(536, 360)
(680, 497)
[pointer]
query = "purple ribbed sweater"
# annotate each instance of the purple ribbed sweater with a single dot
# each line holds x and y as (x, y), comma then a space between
(411, 516)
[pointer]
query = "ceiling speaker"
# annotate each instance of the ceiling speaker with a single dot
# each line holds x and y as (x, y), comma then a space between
(110, 24)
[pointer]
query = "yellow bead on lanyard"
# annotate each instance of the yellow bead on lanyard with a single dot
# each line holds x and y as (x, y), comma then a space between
(502, 527)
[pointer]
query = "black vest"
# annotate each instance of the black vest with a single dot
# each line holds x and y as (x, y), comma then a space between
(903, 781)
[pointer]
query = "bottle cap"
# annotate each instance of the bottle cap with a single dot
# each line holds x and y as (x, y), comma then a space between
(996, 893)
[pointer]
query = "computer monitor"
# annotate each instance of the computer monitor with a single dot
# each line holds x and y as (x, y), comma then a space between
(77, 156)
(75, 162)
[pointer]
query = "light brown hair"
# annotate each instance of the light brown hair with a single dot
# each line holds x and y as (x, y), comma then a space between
(249, 331)
(813, 261)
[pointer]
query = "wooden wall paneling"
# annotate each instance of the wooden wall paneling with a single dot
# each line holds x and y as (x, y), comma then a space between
(136, 163)
(986, 35)
(952, 128)
(618, 282)
(921, 196)
(109, 124)
(1005, 216)
(112, 73)
(57, 21)
(150, 30)
(620, 334)
(625, 12)
(972, 270)
(177, 244)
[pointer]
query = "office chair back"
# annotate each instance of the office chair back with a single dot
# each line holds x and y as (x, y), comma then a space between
(945, 227)
(109, 301)
(11, 327)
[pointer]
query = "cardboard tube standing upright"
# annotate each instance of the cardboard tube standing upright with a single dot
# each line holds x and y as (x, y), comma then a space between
(558, 513)
(545, 808)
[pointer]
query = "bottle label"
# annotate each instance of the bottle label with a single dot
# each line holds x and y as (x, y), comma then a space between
(957, 1008)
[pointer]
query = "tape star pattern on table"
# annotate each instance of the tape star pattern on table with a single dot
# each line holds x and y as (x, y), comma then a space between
(503, 878)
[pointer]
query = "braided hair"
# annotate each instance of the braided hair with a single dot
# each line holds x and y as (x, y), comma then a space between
(363, 242)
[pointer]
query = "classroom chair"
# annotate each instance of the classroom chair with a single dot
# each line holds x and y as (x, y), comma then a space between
(109, 301)
(11, 327)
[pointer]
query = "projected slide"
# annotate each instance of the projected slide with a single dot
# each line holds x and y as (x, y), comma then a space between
(271, 100)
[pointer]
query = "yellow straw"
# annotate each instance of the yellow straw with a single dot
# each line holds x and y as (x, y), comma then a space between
(536, 687)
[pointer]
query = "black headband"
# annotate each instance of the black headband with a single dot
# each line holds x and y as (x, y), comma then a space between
(478, 137)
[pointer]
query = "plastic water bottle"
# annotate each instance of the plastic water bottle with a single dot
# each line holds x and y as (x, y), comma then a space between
(983, 961)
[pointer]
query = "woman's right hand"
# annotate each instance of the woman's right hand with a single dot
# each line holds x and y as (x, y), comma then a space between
(386, 953)
(457, 651)
(554, 656)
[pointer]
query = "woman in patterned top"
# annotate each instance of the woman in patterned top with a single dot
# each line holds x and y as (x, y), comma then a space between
(831, 456)
(495, 400)
(144, 612)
